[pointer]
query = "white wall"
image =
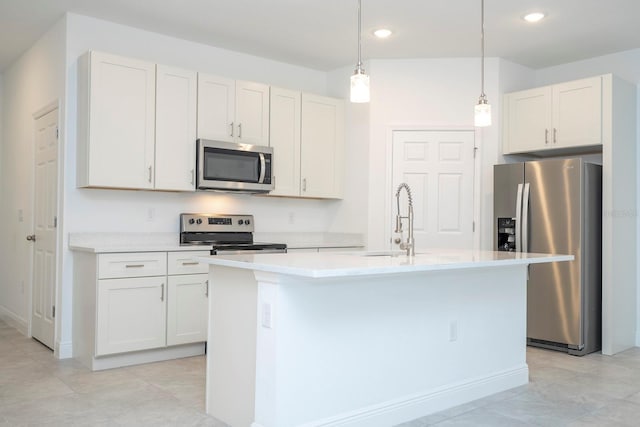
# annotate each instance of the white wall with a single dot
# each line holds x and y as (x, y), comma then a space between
(428, 93)
(35, 80)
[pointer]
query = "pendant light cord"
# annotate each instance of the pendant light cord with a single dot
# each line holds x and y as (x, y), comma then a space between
(359, 66)
(482, 94)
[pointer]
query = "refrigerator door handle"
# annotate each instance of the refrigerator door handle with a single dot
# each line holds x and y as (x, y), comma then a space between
(518, 219)
(525, 218)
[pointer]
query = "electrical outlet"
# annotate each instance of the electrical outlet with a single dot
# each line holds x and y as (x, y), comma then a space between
(292, 218)
(151, 213)
(453, 331)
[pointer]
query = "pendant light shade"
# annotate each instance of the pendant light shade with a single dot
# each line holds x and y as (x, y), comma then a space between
(483, 108)
(359, 80)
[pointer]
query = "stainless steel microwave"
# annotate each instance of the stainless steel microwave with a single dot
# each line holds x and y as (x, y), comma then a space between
(226, 166)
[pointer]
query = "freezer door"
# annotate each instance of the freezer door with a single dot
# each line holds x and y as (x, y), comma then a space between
(554, 292)
(506, 179)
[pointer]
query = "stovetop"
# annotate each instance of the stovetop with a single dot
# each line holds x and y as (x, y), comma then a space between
(223, 232)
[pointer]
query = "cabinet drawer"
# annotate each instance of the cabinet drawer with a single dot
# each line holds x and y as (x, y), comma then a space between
(138, 264)
(183, 262)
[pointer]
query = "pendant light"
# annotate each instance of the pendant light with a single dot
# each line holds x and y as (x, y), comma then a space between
(359, 80)
(483, 108)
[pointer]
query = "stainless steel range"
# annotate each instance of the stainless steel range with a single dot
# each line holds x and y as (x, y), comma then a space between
(227, 234)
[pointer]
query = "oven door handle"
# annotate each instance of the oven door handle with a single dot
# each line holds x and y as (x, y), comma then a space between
(247, 252)
(263, 167)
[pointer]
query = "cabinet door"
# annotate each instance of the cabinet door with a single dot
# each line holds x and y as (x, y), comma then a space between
(252, 113)
(216, 107)
(322, 147)
(187, 309)
(131, 314)
(528, 120)
(577, 113)
(176, 98)
(285, 140)
(120, 151)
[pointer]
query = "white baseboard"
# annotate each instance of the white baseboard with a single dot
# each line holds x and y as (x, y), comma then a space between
(415, 406)
(64, 350)
(14, 320)
(145, 356)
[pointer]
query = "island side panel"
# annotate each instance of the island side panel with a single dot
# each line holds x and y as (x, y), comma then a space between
(380, 350)
(231, 345)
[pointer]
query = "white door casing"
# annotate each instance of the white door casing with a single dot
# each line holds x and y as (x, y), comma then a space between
(45, 223)
(439, 168)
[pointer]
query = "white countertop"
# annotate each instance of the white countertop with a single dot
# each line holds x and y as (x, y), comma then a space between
(342, 264)
(129, 242)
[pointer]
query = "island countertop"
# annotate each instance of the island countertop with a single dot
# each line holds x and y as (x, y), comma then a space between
(341, 264)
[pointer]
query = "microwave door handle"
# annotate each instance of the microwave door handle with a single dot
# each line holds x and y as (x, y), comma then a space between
(518, 219)
(263, 167)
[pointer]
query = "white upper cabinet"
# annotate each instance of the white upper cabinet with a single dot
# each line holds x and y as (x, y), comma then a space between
(136, 124)
(176, 94)
(322, 147)
(285, 141)
(307, 136)
(116, 121)
(216, 107)
(233, 111)
(562, 116)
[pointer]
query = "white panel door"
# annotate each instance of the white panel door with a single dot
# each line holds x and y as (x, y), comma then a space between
(122, 122)
(439, 168)
(285, 141)
(252, 113)
(46, 205)
(176, 99)
(187, 309)
(131, 314)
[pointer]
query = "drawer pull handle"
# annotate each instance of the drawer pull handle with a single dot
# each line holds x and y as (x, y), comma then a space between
(190, 263)
(206, 288)
(135, 265)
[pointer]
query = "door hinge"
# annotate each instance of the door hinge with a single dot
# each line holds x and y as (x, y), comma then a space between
(55, 222)
(475, 150)
(53, 311)
(57, 133)
(473, 226)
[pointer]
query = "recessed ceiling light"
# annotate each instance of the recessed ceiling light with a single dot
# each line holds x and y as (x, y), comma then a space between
(534, 16)
(382, 33)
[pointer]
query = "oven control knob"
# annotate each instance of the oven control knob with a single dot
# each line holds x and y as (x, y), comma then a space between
(191, 221)
(246, 221)
(199, 221)
(240, 222)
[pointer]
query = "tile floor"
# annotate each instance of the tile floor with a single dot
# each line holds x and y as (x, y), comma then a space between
(36, 389)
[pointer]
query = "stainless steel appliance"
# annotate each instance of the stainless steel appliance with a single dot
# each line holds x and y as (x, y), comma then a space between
(555, 206)
(227, 234)
(226, 166)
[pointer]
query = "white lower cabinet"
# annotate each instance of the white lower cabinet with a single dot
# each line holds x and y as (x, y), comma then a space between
(187, 308)
(138, 307)
(131, 314)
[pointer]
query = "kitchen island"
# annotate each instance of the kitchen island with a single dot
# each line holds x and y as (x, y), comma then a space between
(364, 338)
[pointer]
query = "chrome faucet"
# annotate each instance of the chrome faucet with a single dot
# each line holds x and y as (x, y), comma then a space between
(409, 245)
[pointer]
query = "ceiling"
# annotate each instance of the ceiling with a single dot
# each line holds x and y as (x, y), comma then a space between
(322, 34)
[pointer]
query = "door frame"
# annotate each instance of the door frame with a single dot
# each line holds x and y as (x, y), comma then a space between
(48, 108)
(477, 176)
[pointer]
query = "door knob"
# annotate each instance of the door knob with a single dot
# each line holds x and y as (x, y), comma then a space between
(31, 237)
(397, 240)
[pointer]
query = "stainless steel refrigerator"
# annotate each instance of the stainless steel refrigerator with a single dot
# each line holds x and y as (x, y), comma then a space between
(555, 206)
